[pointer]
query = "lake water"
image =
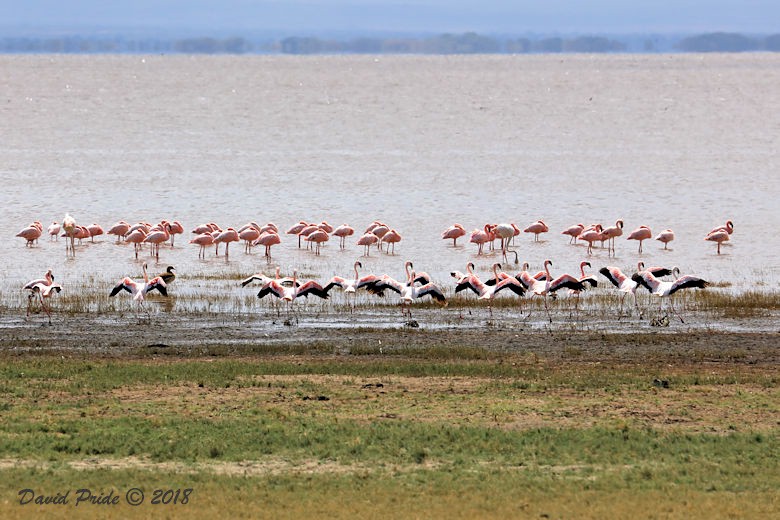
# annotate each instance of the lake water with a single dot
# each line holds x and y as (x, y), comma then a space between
(419, 142)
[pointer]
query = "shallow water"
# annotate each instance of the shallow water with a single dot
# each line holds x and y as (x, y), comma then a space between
(680, 141)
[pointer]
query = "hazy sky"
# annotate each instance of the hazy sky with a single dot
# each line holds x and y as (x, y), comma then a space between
(486, 16)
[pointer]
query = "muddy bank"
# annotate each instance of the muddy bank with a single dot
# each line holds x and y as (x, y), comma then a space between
(186, 336)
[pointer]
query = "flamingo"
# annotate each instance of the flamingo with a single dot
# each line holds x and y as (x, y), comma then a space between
(628, 286)
(547, 286)
(379, 230)
(69, 227)
(612, 232)
(291, 293)
(249, 234)
(306, 231)
(504, 232)
(268, 239)
(317, 237)
(227, 236)
(574, 232)
(44, 292)
(202, 240)
(391, 237)
(136, 238)
(47, 279)
(453, 232)
(343, 231)
(350, 286)
(205, 228)
(480, 237)
(296, 230)
(641, 233)
(665, 236)
(31, 233)
(368, 239)
(664, 289)
(584, 279)
(488, 292)
(590, 235)
(263, 279)
(176, 229)
(728, 228)
(54, 231)
(157, 237)
(94, 231)
(327, 228)
(409, 292)
(719, 236)
(537, 228)
(139, 290)
(119, 229)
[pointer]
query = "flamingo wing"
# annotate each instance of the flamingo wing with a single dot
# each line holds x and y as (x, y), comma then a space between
(470, 282)
(646, 280)
(614, 275)
(335, 281)
(125, 285)
(686, 282)
(312, 287)
(512, 284)
(272, 287)
(388, 283)
(157, 284)
(433, 291)
(567, 281)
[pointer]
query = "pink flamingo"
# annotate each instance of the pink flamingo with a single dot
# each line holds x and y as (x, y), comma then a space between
(94, 231)
(139, 290)
(291, 293)
(69, 227)
(367, 240)
(664, 289)
(317, 237)
(343, 231)
(480, 237)
(719, 237)
(350, 286)
(591, 235)
(43, 288)
(488, 292)
(157, 237)
(119, 229)
(641, 233)
(136, 238)
(409, 292)
(665, 236)
(203, 240)
(268, 239)
(628, 286)
(227, 236)
(391, 237)
(537, 228)
(176, 229)
(548, 285)
(504, 232)
(612, 232)
(327, 228)
(249, 234)
(31, 233)
(82, 232)
(54, 231)
(728, 228)
(453, 232)
(296, 230)
(574, 232)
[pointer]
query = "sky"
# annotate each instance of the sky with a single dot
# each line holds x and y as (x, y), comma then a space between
(401, 16)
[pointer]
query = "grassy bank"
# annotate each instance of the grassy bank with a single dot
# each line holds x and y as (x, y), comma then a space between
(393, 436)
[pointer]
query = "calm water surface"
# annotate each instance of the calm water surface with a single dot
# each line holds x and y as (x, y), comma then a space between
(680, 141)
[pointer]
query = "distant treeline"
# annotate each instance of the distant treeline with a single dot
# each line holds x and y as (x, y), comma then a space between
(466, 43)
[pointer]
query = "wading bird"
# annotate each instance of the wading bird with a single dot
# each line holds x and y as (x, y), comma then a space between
(454, 232)
(409, 292)
(139, 290)
(350, 286)
(296, 290)
(664, 289)
(628, 286)
(665, 237)
(641, 233)
(488, 292)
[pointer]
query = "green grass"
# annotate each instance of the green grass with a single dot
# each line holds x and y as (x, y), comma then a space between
(515, 434)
